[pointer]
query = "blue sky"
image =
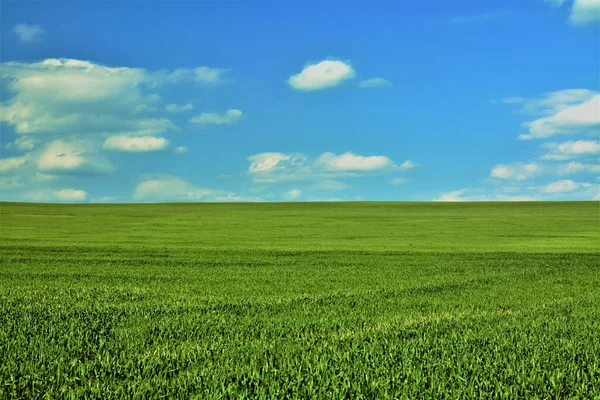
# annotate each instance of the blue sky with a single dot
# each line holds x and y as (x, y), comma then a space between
(296, 101)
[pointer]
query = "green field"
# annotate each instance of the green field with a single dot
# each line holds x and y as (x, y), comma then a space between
(300, 300)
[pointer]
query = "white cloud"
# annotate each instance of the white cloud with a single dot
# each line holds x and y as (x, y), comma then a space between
(352, 162)
(180, 149)
(374, 83)
(573, 149)
(177, 108)
(28, 33)
(551, 102)
(572, 119)
(453, 196)
(322, 75)
(585, 12)
(231, 116)
(210, 75)
(12, 163)
(516, 171)
(173, 188)
(293, 194)
(62, 156)
(165, 187)
(280, 167)
(398, 181)
(22, 143)
(266, 162)
(561, 187)
(135, 144)
(458, 196)
(408, 165)
(70, 195)
(573, 167)
(330, 185)
(77, 97)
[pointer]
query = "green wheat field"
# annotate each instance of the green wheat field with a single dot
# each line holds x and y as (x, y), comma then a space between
(300, 300)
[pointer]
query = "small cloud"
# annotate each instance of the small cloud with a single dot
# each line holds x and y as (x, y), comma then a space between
(28, 33)
(398, 181)
(323, 75)
(353, 162)
(453, 196)
(408, 165)
(12, 163)
(177, 108)
(585, 12)
(516, 171)
(330, 185)
(180, 149)
(209, 75)
(22, 143)
(375, 83)
(231, 116)
(70, 195)
(135, 144)
(293, 194)
(561, 187)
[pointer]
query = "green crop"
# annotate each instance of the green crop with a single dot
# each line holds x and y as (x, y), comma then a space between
(300, 300)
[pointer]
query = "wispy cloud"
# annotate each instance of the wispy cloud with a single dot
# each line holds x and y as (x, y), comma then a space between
(28, 33)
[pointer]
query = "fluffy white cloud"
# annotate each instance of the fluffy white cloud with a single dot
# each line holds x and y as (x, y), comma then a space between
(322, 75)
(293, 194)
(13, 163)
(573, 149)
(229, 117)
(374, 83)
(585, 12)
(62, 156)
(176, 108)
(572, 119)
(517, 171)
(352, 162)
(70, 195)
(135, 144)
(71, 96)
(28, 33)
(561, 187)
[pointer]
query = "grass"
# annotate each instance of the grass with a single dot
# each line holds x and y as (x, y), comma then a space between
(300, 300)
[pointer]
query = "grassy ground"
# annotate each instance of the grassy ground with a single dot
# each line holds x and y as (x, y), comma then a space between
(350, 300)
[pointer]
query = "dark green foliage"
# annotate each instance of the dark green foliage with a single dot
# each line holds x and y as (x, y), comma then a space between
(355, 300)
